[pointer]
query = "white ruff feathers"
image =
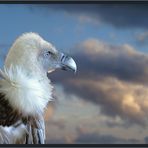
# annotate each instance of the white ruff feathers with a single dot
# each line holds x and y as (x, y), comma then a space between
(28, 94)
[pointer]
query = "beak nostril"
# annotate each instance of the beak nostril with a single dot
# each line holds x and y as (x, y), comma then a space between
(62, 58)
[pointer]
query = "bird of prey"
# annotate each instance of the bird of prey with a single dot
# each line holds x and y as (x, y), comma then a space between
(25, 89)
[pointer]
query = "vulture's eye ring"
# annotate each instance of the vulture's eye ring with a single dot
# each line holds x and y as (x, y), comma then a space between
(49, 53)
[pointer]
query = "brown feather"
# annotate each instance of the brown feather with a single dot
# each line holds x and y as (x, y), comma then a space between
(8, 115)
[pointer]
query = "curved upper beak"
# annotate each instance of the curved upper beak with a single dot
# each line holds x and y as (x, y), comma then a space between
(67, 63)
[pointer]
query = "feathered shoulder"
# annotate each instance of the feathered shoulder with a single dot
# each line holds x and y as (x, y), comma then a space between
(26, 93)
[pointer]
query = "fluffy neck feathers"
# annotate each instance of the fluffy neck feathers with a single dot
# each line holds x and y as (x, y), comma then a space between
(29, 94)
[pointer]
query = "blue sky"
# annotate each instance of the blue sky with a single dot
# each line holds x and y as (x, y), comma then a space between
(58, 27)
(106, 101)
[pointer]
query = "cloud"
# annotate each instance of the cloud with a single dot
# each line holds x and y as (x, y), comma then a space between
(55, 141)
(119, 16)
(101, 58)
(76, 129)
(49, 111)
(112, 76)
(123, 61)
(92, 138)
(142, 38)
(95, 138)
(116, 98)
(59, 123)
(146, 140)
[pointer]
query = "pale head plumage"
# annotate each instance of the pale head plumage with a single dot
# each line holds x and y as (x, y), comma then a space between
(26, 52)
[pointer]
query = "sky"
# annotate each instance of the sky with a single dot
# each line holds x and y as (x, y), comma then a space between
(105, 102)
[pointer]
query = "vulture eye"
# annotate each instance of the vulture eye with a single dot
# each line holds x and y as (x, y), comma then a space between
(49, 53)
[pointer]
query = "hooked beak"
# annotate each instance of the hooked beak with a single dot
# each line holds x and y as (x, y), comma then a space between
(67, 63)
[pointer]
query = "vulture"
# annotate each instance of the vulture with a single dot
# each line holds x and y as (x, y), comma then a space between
(25, 89)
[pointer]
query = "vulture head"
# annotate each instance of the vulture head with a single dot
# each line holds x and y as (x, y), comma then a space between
(36, 55)
(24, 77)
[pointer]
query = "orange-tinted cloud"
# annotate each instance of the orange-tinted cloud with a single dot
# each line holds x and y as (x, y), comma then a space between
(112, 76)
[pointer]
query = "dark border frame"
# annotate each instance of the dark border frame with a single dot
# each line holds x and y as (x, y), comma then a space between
(74, 145)
(74, 2)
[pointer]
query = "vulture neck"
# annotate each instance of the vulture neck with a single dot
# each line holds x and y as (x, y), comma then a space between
(28, 92)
